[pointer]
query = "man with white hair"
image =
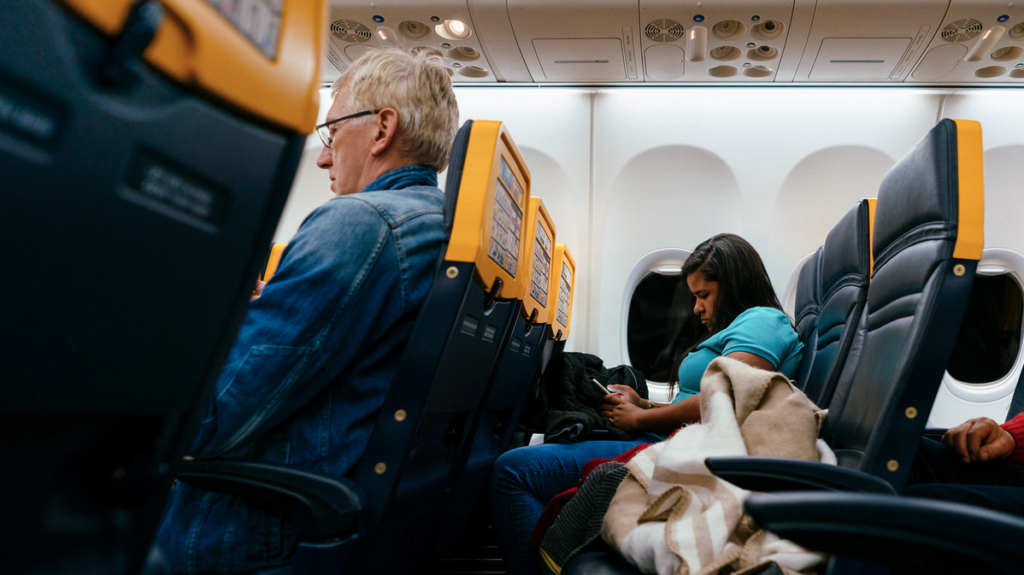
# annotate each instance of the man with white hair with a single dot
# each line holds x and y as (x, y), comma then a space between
(319, 346)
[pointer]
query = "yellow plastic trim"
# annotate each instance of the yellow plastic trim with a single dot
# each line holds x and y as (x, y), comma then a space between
(970, 233)
(489, 142)
(197, 46)
(554, 567)
(274, 260)
(537, 215)
(561, 257)
(871, 235)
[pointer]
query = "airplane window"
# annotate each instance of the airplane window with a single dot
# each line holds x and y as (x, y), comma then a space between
(659, 326)
(989, 339)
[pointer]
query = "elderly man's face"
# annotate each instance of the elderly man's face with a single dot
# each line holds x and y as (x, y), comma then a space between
(350, 146)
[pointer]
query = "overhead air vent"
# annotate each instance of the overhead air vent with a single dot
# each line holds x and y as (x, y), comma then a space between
(350, 31)
(961, 30)
(664, 31)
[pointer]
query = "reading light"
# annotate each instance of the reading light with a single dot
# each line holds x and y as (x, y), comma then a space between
(454, 30)
(387, 37)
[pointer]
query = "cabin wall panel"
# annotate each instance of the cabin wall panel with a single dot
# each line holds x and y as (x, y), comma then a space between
(777, 166)
(1002, 127)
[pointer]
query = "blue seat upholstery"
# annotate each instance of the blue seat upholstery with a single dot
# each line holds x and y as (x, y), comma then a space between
(913, 535)
(137, 207)
(845, 265)
(808, 297)
(512, 382)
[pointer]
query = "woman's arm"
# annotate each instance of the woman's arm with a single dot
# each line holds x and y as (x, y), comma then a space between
(625, 410)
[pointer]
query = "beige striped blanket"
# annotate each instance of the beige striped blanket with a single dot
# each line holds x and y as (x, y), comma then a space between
(673, 517)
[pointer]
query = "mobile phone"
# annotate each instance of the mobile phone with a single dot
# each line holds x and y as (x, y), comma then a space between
(603, 388)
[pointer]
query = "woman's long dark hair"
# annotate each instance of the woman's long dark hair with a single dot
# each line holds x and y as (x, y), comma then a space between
(742, 284)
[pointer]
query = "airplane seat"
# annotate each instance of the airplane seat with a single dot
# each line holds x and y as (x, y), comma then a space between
(560, 304)
(927, 241)
(844, 276)
(808, 296)
(514, 377)
(142, 184)
(417, 449)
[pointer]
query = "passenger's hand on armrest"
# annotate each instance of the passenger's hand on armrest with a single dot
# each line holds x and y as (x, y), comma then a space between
(979, 440)
(258, 290)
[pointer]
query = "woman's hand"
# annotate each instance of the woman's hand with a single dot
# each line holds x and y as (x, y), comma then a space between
(624, 393)
(623, 415)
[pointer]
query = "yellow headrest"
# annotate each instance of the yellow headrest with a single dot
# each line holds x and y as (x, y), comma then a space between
(268, 65)
(493, 195)
(272, 262)
(562, 287)
(540, 241)
(872, 202)
(970, 233)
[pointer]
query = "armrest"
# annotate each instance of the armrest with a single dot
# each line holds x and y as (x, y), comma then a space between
(780, 474)
(935, 433)
(902, 531)
(322, 507)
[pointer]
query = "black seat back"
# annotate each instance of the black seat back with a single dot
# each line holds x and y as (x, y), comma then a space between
(928, 237)
(806, 314)
(141, 187)
(514, 378)
(415, 452)
(845, 269)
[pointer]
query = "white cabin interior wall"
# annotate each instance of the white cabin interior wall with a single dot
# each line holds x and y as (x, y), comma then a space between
(778, 166)
(625, 171)
(1002, 127)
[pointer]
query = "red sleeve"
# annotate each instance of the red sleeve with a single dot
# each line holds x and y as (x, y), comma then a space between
(1016, 428)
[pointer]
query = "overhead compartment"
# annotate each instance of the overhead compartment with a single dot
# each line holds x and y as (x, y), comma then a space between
(578, 40)
(721, 41)
(444, 26)
(581, 59)
(868, 41)
(943, 42)
(977, 42)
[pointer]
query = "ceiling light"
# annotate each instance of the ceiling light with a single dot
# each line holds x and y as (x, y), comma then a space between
(455, 29)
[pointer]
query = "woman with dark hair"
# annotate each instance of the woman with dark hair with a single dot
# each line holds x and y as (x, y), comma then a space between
(740, 317)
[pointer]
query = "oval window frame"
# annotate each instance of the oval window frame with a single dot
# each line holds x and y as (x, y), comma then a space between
(990, 399)
(660, 261)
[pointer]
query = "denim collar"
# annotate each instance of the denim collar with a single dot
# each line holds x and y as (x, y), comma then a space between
(412, 175)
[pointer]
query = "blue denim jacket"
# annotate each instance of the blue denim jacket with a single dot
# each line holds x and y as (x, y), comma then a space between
(311, 365)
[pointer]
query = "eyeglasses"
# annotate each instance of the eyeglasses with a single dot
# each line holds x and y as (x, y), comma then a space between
(324, 132)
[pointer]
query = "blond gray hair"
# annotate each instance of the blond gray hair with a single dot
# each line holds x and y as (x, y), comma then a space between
(418, 88)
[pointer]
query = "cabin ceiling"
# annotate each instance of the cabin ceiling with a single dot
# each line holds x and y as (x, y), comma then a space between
(636, 42)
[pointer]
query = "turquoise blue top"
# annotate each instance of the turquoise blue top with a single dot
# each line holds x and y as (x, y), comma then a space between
(762, 331)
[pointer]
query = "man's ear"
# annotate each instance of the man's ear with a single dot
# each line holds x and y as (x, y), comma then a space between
(386, 124)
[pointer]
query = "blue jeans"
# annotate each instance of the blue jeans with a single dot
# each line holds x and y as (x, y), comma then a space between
(524, 480)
